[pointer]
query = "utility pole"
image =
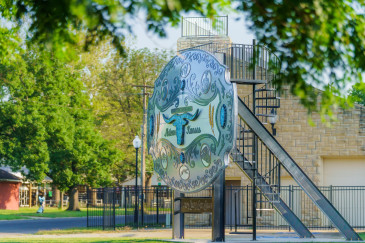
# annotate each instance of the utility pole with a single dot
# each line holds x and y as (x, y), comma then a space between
(144, 129)
(143, 155)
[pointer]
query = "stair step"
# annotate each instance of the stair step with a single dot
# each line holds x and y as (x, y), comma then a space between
(246, 130)
(244, 138)
(263, 90)
(268, 98)
(246, 162)
(267, 115)
(267, 106)
(273, 201)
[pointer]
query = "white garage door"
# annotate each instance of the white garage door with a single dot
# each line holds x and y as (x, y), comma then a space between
(344, 172)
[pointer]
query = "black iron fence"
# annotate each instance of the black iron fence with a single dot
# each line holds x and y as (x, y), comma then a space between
(115, 207)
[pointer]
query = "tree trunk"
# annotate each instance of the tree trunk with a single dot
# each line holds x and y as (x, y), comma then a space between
(73, 195)
(149, 192)
(92, 196)
(30, 194)
(56, 196)
(61, 202)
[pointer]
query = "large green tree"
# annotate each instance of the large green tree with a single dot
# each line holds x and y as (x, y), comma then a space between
(47, 125)
(115, 83)
(321, 43)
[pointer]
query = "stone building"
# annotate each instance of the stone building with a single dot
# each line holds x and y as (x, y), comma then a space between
(329, 154)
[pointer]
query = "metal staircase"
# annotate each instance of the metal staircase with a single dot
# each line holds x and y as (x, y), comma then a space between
(296, 172)
(257, 152)
(263, 169)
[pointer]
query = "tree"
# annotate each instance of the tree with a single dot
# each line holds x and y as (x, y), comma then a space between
(320, 43)
(357, 93)
(48, 127)
(114, 82)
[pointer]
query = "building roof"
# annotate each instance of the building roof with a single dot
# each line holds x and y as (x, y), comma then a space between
(6, 176)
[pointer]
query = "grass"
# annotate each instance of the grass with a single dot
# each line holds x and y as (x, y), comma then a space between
(26, 213)
(81, 230)
(79, 240)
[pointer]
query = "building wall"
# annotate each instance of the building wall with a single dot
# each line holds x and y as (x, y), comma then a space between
(188, 42)
(309, 146)
(9, 196)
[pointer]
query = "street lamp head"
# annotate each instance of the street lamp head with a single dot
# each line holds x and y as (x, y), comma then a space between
(273, 118)
(137, 142)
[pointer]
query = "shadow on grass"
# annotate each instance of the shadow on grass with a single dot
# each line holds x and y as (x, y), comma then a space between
(80, 240)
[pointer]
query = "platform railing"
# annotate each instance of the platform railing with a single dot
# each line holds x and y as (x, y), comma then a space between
(202, 26)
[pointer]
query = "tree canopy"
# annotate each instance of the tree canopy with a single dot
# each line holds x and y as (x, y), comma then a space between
(115, 83)
(47, 124)
(321, 43)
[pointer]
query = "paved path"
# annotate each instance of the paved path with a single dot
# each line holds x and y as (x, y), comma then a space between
(21, 228)
(192, 236)
(28, 226)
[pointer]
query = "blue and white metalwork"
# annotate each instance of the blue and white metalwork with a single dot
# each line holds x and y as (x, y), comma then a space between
(191, 120)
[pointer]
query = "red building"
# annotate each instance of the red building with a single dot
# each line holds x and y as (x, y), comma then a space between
(9, 190)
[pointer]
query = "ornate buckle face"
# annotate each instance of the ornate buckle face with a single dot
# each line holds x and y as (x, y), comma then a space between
(191, 121)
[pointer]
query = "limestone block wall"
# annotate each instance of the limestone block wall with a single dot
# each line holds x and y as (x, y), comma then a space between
(187, 42)
(307, 144)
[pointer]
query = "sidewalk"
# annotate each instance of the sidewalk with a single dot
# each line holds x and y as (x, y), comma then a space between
(197, 235)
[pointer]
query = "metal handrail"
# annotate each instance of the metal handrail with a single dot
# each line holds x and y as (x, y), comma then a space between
(202, 26)
(247, 63)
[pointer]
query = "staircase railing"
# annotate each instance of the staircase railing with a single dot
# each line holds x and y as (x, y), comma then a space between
(295, 172)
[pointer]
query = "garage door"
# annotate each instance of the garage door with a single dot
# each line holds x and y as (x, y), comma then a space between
(344, 172)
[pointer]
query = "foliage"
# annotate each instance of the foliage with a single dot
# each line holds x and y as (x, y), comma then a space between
(47, 124)
(357, 93)
(57, 24)
(114, 83)
(321, 43)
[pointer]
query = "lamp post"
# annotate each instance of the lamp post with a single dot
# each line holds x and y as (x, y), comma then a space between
(137, 144)
(273, 118)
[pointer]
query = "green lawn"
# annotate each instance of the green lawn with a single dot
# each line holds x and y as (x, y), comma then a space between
(26, 213)
(80, 240)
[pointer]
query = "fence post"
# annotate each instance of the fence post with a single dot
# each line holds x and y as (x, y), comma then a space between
(103, 208)
(142, 199)
(247, 204)
(230, 217)
(331, 200)
(87, 207)
(157, 205)
(125, 206)
(171, 206)
(235, 211)
(114, 196)
(290, 201)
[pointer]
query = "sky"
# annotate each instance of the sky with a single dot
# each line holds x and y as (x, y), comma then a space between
(237, 31)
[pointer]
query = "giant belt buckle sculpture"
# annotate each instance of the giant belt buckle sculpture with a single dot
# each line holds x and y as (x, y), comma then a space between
(191, 121)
